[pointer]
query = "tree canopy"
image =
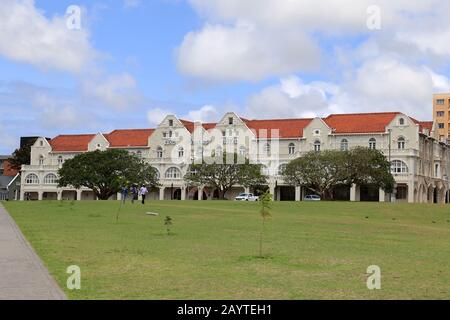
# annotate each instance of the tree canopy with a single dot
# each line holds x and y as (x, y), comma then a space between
(21, 156)
(322, 171)
(106, 172)
(222, 175)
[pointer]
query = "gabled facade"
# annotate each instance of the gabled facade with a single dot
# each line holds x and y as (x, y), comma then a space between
(420, 162)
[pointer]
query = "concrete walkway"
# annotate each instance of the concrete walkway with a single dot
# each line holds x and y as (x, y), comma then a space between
(22, 273)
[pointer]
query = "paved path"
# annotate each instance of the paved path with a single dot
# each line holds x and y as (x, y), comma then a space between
(22, 273)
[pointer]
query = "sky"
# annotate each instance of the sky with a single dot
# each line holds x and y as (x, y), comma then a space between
(83, 66)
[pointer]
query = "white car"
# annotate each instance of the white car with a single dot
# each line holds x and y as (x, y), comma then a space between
(312, 198)
(246, 197)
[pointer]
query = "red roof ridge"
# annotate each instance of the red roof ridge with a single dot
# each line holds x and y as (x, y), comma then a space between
(364, 113)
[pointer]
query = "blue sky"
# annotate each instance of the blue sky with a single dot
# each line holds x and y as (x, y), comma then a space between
(134, 61)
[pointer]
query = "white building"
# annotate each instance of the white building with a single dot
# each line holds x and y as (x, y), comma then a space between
(420, 163)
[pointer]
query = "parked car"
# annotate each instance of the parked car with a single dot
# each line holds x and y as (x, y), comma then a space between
(312, 198)
(246, 197)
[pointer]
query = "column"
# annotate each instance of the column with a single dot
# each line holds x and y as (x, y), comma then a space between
(59, 195)
(22, 194)
(411, 192)
(298, 193)
(200, 194)
(272, 191)
(79, 195)
(40, 195)
(382, 195)
(183, 193)
(161, 193)
(354, 193)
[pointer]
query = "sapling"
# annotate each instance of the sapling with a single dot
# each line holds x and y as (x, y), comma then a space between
(266, 207)
(168, 222)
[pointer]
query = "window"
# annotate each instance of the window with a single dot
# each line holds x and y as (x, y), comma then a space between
(242, 151)
(41, 143)
(219, 151)
(139, 154)
(170, 123)
(317, 146)
(401, 121)
(265, 170)
(267, 148)
(291, 149)
(398, 166)
(344, 145)
(436, 170)
(401, 143)
(317, 132)
(173, 173)
(440, 113)
(180, 152)
(60, 160)
(281, 169)
(373, 143)
(159, 152)
(230, 121)
(441, 126)
(440, 101)
(32, 179)
(50, 179)
(41, 160)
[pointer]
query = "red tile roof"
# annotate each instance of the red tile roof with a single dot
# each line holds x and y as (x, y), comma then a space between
(129, 138)
(190, 126)
(288, 128)
(76, 143)
(360, 122)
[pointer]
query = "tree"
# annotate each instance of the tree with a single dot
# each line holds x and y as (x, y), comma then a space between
(319, 171)
(106, 172)
(322, 171)
(222, 175)
(266, 207)
(21, 156)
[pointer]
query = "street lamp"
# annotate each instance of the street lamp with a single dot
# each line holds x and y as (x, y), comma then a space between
(171, 192)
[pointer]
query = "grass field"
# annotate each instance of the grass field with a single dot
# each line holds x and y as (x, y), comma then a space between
(314, 250)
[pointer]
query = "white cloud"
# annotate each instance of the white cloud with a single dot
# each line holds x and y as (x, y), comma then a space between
(28, 36)
(244, 52)
(206, 113)
(156, 115)
(117, 91)
(381, 84)
(131, 3)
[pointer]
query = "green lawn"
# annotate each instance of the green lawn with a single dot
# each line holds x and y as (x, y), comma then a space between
(315, 250)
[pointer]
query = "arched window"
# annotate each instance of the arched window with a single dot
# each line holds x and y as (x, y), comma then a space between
(401, 143)
(159, 152)
(41, 160)
(401, 121)
(373, 143)
(291, 149)
(344, 145)
(50, 179)
(180, 152)
(60, 160)
(317, 146)
(32, 179)
(173, 173)
(398, 166)
(281, 169)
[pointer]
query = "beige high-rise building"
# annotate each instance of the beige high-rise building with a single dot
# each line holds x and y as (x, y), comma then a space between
(441, 115)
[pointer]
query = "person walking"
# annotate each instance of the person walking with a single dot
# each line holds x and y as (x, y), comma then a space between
(124, 193)
(134, 193)
(143, 192)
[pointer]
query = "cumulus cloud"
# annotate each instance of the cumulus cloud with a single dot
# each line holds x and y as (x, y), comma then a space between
(117, 91)
(156, 115)
(28, 36)
(381, 84)
(206, 113)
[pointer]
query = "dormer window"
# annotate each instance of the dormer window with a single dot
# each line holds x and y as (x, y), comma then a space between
(401, 122)
(171, 123)
(230, 120)
(41, 143)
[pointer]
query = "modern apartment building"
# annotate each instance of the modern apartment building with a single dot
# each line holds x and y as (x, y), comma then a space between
(441, 115)
(420, 161)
